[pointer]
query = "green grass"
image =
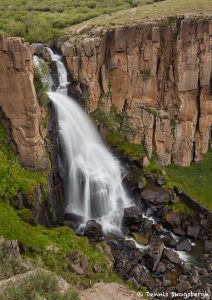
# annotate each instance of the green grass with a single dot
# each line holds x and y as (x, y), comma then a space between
(13, 177)
(39, 237)
(195, 180)
(146, 12)
(117, 144)
(21, 17)
(39, 286)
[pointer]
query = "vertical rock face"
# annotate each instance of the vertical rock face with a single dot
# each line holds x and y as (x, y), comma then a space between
(19, 103)
(160, 74)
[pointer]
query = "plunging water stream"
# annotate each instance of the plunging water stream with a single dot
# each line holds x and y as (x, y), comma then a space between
(93, 183)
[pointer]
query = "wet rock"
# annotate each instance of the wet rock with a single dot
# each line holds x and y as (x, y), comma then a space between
(155, 197)
(171, 256)
(161, 268)
(93, 231)
(141, 238)
(153, 257)
(132, 215)
(184, 245)
(178, 231)
(183, 286)
(147, 224)
(193, 231)
(76, 269)
(161, 180)
(171, 219)
(169, 240)
(138, 272)
(208, 246)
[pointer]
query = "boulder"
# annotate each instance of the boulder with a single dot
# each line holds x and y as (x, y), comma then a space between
(184, 245)
(193, 231)
(169, 240)
(132, 216)
(171, 220)
(153, 257)
(155, 197)
(171, 256)
(183, 286)
(76, 269)
(93, 231)
(178, 231)
(208, 246)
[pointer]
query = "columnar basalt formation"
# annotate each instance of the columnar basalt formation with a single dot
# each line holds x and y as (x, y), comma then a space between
(159, 72)
(19, 103)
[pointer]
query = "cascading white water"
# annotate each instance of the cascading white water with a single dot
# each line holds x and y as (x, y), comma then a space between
(94, 189)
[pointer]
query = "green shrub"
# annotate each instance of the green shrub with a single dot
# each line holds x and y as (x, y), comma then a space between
(26, 215)
(146, 74)
(41, 82)
(38, 286)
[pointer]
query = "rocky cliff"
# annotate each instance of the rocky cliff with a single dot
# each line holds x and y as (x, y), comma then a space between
(18, 102)
(158, 72)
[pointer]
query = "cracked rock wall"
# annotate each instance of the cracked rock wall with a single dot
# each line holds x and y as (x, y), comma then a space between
(160, 73)
(19, 103)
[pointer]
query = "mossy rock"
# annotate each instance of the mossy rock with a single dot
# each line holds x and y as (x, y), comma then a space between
(26, 215)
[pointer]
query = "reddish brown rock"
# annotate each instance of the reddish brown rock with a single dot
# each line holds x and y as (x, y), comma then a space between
(159, 74)
(19, 103)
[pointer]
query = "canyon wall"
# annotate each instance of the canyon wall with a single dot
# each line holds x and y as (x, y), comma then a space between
(19, 104)
(158, 72)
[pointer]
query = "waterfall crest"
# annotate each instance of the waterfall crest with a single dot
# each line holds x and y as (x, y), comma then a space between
(93, 184)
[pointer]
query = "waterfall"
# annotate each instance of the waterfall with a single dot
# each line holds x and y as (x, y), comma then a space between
(93, 183)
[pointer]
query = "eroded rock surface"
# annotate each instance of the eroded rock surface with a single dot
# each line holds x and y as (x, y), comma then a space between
(158, 73)
(19, 103)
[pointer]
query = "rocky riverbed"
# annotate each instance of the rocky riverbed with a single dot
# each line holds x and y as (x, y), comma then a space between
(163, 250)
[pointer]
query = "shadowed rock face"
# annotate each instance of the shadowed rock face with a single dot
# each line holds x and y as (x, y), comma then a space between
(159, 73)
(19, 103)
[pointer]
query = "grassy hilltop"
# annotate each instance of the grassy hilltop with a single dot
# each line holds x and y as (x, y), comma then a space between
(22, 17)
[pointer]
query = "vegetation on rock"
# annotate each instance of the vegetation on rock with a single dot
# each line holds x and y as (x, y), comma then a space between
(41, 82)
(195, 180)
(13, 177)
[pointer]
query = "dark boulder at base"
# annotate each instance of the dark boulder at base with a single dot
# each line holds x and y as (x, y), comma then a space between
(132, 216)
(183, 286)
(171, 220)
(171, 256)
(193, 231)
(153, 256)
(93, 231)
(169, 240)
(184, 245)
(208, 246)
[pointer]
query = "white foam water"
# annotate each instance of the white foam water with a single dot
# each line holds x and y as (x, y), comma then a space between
(94, 189)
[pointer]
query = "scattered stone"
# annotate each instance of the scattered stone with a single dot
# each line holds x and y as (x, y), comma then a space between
(141, 238)
(93, 231)
(82, 30)
(178, 231)
(183, 286)
(97, 269)
(161, 268)
(52, 248)
(153, 257)
(208, 246)
(76, 269)
(193, 231)
(171, 219)
(171, 256)
(184, 245)
(161, 180)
